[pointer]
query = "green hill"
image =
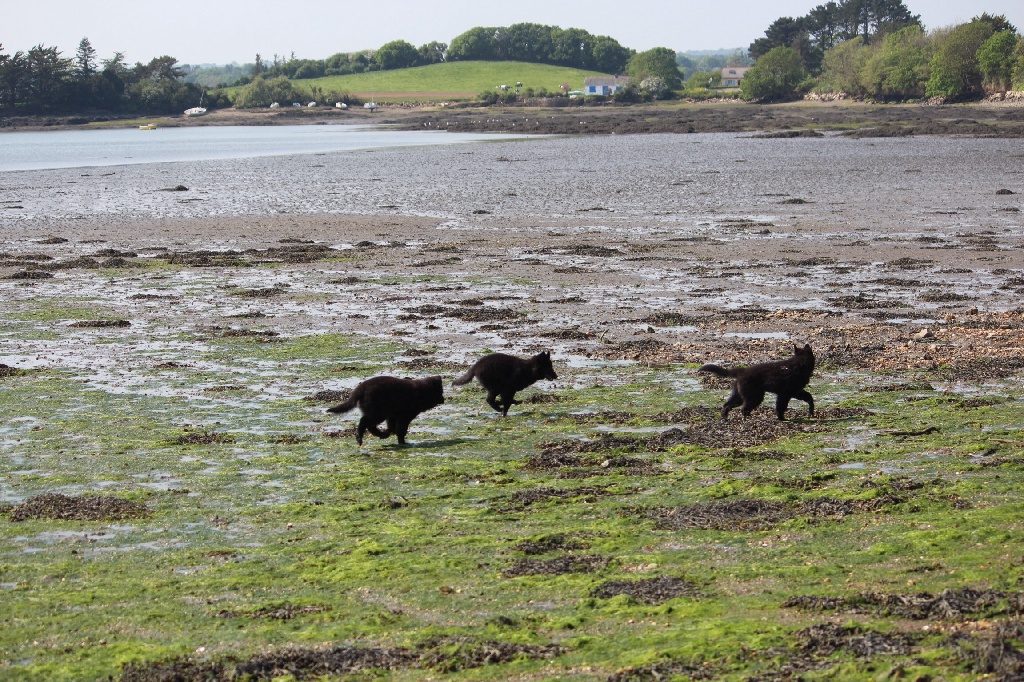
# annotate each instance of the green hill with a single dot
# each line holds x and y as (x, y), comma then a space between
(455, 80)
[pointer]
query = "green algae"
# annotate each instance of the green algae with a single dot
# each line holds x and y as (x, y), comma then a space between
(391, 546)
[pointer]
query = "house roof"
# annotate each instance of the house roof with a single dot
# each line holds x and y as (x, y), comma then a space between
(605, 81)
(730, 72)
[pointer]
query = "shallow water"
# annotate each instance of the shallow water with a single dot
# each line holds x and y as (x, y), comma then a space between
(100, 148)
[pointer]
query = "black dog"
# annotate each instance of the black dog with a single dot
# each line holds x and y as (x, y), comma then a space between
(502, 375)
(785, 378)
(396, 401)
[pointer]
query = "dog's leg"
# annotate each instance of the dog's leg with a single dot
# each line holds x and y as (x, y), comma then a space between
(400, 428)
(507, 401)
(376, 430)
(734, 400)
(751, 401)
(781, 403)
(364, 424)
(807, 398)
(491, 395)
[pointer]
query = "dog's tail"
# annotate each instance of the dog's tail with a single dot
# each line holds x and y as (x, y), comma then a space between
(353, 401)
(720, 371)
(465, 378)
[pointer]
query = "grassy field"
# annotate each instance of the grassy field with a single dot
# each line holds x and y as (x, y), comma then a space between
(581, 537)
(457, 80)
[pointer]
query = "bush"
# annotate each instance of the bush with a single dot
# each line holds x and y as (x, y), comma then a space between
(954, 68)
(777, 75)
(262, 92)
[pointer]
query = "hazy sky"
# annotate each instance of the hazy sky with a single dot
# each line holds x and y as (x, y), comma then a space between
(223, 31)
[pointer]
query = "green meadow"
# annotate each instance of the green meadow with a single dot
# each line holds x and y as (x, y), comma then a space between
(455, 80)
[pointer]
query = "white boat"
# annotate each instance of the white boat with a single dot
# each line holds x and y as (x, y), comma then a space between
(370, 105)
(197, 111)
(148, 126)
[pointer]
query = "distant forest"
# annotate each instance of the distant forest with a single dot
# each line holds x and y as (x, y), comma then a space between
(535, 43)
(875, 49)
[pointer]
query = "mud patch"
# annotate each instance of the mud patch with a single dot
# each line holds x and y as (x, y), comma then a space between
(277, 612)
(202, 437)
(755, 515)
(649, 590)
(85, 508)
(827, 639)
(557, 542)
(664, 670)
(992, 652)
(521, 499)
(101, 324)
(950, 604)
(6, 371)
(328, 396)
(452, 654)
(571, 563)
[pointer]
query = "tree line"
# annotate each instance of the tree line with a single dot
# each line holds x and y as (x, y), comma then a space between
(876, 49)
(525, 42)
(43, 80)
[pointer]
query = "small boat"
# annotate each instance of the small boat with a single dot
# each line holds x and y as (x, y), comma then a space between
(148, 126)
(199, 110)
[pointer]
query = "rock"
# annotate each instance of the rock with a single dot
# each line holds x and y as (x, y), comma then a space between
(924, 334)
(1004, 191)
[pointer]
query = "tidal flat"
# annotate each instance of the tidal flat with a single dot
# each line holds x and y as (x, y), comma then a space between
(175, 502)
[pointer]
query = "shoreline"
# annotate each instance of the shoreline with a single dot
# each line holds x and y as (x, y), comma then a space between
(976, 119)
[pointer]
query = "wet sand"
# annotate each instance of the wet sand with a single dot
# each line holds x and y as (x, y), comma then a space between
(884, 254)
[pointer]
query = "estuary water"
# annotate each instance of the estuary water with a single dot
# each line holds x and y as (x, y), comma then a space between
(20, 151)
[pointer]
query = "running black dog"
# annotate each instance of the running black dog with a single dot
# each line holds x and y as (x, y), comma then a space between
(785, 378)
(502, 375)
(396, 401)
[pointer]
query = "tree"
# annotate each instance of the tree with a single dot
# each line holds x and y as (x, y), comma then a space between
(996, 60)
(609, 56)
(658, 61)
(1018, 67)
(116, 64)
(898, 68)
(954, 68)
(432, 52)
(161, 68)
(775, 76)
(258, 66)
(262, 92)
(48, 77)
(781, 33)
(14, 76)
(703, 79)
(398, 54)
(998, 22)
(476, 43)
(842, 67)
(85, 59)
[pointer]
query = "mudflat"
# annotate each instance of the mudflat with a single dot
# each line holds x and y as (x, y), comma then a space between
(178, 349)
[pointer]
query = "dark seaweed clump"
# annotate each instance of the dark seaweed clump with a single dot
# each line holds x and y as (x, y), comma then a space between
(86, 508)
(649, 590)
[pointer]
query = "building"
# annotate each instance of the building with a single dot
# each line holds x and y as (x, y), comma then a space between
(732, 75)
(604, 85)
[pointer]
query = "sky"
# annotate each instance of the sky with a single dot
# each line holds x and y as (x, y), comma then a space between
(225, 31)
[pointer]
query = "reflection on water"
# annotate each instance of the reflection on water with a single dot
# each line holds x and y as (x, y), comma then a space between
(85, 148)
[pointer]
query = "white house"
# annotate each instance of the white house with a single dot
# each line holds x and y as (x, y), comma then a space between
(732, 75)
(604, 85)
